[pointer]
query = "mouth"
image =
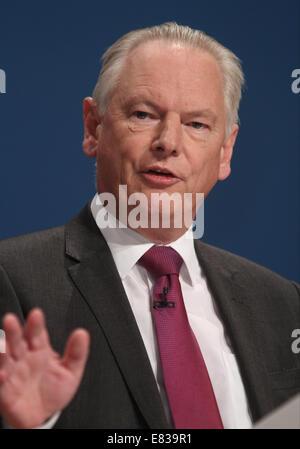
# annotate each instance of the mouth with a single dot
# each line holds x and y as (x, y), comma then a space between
(159, 177)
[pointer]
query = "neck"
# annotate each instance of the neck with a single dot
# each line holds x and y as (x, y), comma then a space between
(161, 236)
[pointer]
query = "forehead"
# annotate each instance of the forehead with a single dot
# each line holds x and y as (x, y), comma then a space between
(179, 73)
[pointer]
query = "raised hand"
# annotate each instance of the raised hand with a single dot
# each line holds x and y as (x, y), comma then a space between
(35, 382)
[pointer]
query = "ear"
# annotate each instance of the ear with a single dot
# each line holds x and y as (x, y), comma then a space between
(91, 121)
(226, 154)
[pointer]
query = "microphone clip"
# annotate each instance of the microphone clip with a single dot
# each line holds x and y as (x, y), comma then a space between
(164, 303)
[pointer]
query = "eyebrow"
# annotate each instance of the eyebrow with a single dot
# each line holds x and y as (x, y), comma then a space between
(207, 112)
(139, 100)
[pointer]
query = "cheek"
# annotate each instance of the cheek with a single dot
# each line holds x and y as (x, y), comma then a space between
(205, 165)
(110, 147)
(135, 146)
(126, 140)
(120, 153)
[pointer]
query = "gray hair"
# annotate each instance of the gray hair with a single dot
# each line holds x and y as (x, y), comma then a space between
(114, 58)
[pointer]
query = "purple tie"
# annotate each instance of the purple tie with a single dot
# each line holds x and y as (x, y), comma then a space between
(190, 394)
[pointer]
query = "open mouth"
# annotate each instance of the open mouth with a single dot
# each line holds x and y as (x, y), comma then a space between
(159, 177)
(161, 173)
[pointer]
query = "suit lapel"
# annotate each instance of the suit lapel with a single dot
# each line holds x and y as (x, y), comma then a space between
(227, 286)
(96, 277)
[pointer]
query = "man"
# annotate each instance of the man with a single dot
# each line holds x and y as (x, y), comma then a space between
(163, 119)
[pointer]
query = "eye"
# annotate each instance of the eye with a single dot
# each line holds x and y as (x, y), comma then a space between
(197, 125)
(141, 115)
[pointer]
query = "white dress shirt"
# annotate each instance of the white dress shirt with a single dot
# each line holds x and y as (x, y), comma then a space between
(127, 246)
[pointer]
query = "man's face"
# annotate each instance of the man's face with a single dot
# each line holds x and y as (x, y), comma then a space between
(167, 113)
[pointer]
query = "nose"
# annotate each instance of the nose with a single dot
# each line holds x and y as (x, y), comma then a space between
(169, 137)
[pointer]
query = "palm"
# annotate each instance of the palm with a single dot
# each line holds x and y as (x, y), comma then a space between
(35, 382)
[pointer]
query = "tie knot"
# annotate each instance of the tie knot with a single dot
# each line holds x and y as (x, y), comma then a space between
(161, 260)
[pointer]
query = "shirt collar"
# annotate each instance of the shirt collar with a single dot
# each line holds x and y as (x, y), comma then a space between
(128, 246)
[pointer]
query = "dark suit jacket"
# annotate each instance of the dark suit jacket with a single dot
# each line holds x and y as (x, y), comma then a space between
(69, 272)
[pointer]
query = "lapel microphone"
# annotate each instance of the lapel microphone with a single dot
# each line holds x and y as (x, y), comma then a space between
(164, 303)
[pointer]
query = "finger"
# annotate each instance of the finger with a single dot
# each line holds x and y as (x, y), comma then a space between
(3, 360)
(15, 343)
(76, 352)
(36, 331)
(3, 376)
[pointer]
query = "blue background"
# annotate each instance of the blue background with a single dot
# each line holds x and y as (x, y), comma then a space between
(50, 52)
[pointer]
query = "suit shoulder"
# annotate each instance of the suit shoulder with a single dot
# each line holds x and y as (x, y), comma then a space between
(32, 245)
(250, 271)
